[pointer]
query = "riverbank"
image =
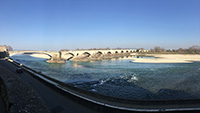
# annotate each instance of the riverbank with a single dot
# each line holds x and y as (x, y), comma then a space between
(168, 58)
(19, 96)
(102, 103)
(52, 96)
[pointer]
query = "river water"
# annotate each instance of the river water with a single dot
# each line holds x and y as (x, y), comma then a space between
(124, 79)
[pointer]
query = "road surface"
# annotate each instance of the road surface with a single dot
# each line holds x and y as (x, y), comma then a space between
(2, 105)
(55, 101)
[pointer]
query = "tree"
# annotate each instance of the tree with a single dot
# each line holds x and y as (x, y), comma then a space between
(9, 48)
(107, 48)
(180, 50)
(194, 49)
(64, 50)
(118, 48)
(142, 49)
(137, 50)
(157, 48)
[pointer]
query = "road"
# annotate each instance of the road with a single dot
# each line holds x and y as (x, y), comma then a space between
(2, 105)
(55, 101)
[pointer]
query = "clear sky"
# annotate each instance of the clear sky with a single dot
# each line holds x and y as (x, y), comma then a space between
(71, 24)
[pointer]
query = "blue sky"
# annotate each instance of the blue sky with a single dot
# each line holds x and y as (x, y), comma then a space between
(71, 24)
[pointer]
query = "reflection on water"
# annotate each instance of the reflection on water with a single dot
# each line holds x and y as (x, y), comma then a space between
(145, 57)
(76, 65)
(123, 79)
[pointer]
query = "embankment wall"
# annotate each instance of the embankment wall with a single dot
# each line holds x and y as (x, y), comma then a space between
(107, 104)
(18, 96)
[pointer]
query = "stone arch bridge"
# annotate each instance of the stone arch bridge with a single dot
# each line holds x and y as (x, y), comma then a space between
(62, 56)
(92, 53)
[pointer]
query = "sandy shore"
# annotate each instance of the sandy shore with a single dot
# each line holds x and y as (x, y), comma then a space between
(168, 58)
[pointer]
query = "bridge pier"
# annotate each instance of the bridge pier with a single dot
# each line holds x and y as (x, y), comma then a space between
(56, 58)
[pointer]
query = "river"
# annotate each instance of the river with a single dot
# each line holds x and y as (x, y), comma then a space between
(124, 79)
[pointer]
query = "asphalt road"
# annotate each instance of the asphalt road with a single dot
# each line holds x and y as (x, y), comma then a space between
(55, 101)
(2, 105)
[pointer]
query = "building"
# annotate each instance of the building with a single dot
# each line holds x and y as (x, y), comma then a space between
(3, 48)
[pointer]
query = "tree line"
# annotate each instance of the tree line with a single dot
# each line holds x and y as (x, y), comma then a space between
(195, 49)
(107, 48)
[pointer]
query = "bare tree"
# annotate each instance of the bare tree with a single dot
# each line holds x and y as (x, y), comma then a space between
(157, 48)
(64, 50)
(194, 49)
(180, 50)
(163, 49)
(107, 48)
(9, 48)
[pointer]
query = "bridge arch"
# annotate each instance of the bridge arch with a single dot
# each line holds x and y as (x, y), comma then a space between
(68, 56)
(109, 53)
(32, 53)
(86, 54)
(122, 51)
(116, 52)
(98, 54)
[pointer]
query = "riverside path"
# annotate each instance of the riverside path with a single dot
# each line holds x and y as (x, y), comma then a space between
(55, 101)
(2, 105)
